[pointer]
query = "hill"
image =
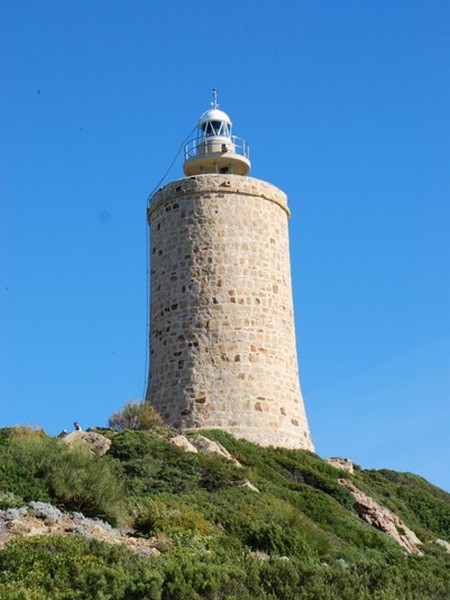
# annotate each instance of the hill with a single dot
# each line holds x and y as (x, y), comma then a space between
(267, 524)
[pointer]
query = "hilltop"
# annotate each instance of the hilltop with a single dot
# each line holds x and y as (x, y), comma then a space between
(152, 519)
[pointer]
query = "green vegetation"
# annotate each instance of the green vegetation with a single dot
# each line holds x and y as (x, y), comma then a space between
(298, 538)
(36, 467)
(136, 416)
(423, 506)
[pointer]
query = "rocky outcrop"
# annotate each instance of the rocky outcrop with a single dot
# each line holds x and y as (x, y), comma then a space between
(382, 518)
(207, 446)
(98, 444)
(182, 442)
(40, 518)
(343, 464)
(443, 544)
(250, 486)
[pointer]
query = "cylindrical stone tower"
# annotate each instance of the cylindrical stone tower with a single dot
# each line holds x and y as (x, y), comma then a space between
(222, 339)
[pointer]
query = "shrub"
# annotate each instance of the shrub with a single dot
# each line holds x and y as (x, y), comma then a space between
(172, 516)
(152, 465)
(135, 415)
(10, 500)
(74, 568)
(35, 467)
(89, 484)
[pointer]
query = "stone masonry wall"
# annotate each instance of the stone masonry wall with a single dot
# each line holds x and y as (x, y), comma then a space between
(222, 341)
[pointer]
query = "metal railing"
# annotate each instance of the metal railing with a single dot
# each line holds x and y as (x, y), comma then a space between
(207, 145)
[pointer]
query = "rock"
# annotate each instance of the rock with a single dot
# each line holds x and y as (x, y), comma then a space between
(443, 543)
(97, 443)
(162, 543)
(26, 526)
(40, 518)
(4, 533)
(145, 550)
(9, 514)
(44, 510)
(207, 446)
(382, 518)
(250, 486)
(343, 464)
(182, 442)
(260, 555)
(343, 563)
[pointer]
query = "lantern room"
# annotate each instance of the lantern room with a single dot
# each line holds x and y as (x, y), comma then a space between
(215, 149)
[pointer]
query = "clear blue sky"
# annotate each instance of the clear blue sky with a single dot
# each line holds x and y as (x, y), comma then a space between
(345, 106)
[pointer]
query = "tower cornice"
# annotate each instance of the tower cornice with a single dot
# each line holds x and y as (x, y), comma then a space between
(219, 184)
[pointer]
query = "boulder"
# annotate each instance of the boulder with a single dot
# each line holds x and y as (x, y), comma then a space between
(182, 442)
(207, 446)
(443, 543)
(248, 484)
(98, 444)
(343, 464)
(382, 518)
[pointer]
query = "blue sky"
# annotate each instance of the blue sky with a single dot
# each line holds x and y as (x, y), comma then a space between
(345, 106)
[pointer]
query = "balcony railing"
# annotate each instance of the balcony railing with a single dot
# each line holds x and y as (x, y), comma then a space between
(207, 145)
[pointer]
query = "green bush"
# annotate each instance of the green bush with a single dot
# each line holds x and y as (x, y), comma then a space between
(74, 568)
(36, 467)
(89, 484)
(172, 516)
(135, 415)
(152, 465)
(10, 500)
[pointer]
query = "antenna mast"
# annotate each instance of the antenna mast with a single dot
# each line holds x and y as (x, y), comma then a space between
(214, 102)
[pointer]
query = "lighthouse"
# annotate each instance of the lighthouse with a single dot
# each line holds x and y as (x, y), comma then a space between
(222, 337)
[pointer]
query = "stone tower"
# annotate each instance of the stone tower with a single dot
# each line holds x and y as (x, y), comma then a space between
(222, 340)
